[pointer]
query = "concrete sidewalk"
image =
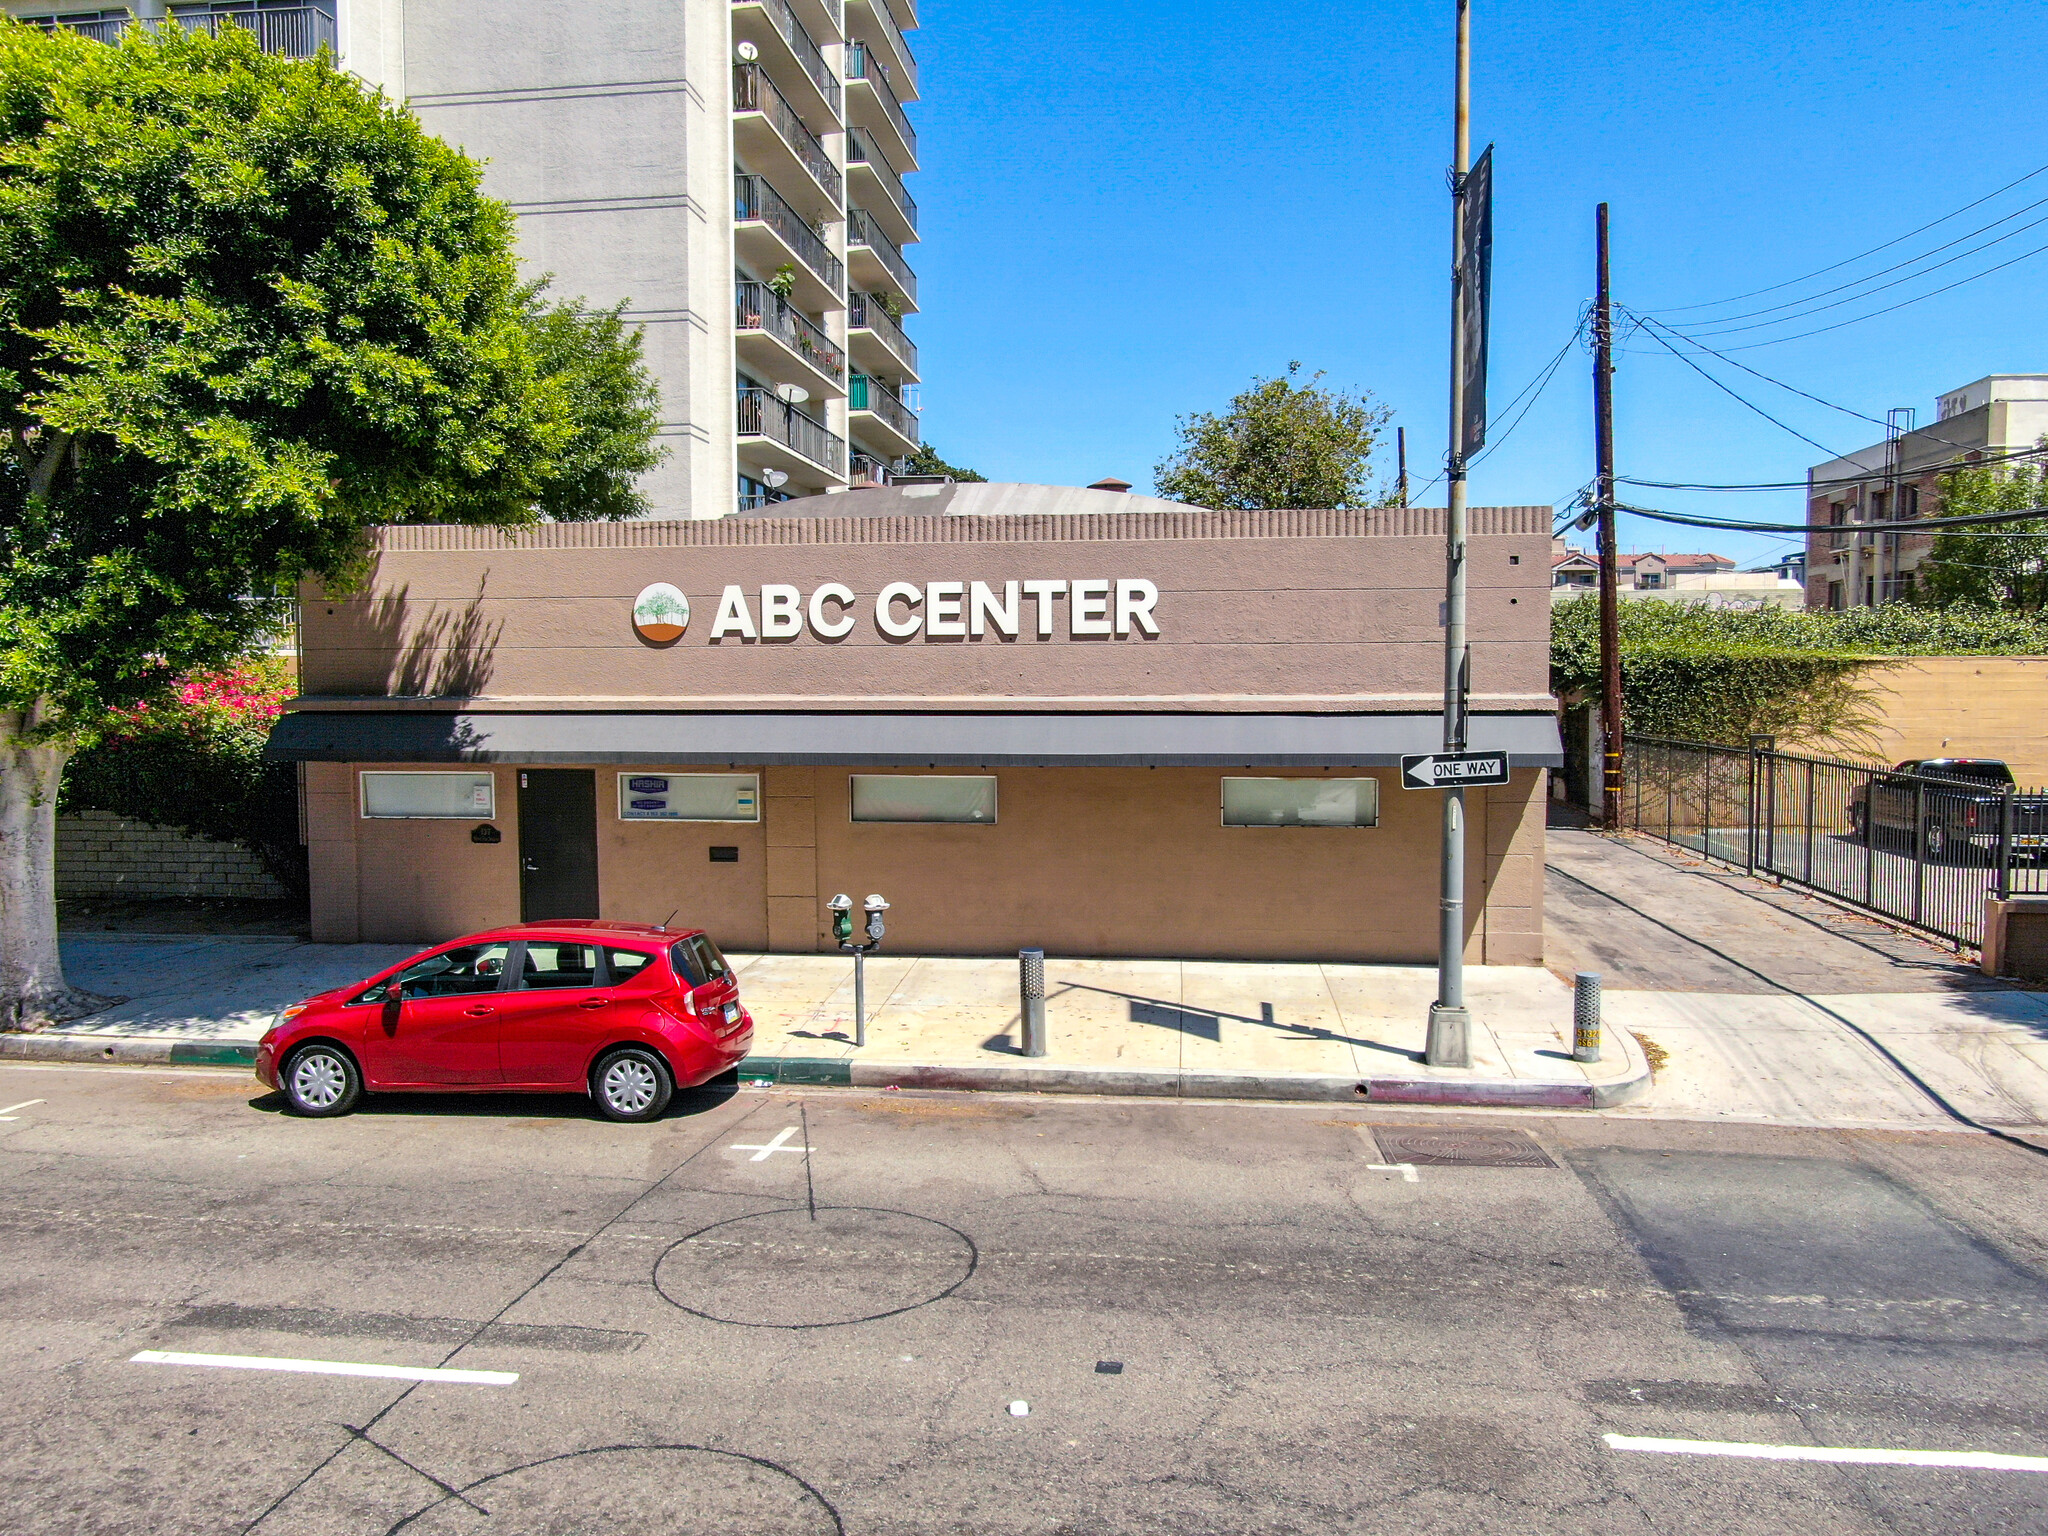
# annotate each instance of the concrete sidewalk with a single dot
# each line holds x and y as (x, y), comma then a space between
(1165, 1027)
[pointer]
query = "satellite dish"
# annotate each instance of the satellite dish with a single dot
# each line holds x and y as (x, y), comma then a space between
(792, 394)
(776, 478)
(746, 53)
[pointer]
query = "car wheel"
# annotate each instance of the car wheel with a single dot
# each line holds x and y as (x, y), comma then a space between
(1934, 843)
(1857, 818)
(321, 1081)
(632, 1083)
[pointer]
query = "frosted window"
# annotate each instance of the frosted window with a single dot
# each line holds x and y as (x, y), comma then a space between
(936, 797)
(458, 796)
(1301, 802)
(689, 797)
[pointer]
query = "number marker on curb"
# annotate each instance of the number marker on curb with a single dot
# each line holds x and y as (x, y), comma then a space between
(1406, 1170)
(1982, 1461)
(328, 1368)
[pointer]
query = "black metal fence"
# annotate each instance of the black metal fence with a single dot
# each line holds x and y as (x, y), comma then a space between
(1920, 848)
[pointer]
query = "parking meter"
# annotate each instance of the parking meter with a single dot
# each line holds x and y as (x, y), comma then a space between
(874, 906)
(841, 908)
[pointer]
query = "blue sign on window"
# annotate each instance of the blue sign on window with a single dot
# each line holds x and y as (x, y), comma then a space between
(648, 805)
(647, 786)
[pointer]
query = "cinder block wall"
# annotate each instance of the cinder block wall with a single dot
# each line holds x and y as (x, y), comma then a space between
(1965, 706)
(99, 854)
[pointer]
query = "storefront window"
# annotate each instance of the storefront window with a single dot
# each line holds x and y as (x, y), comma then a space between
(1301, 802)
(689, 797)
(430, 796)
(957, 798)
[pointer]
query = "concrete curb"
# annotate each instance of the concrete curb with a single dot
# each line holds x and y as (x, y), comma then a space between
(793, 1071)
(129, 1050)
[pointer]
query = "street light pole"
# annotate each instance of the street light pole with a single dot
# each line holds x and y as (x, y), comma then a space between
(1450, 1024)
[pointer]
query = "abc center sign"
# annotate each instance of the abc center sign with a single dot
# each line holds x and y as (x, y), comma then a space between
(904, 610)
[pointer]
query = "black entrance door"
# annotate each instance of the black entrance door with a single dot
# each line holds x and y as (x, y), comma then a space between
(557, 843)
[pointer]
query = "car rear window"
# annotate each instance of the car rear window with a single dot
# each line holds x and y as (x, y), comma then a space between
(1976, 773)
(697, 960)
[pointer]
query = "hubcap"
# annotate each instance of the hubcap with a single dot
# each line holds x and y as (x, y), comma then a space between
(629, 1085)
(318, 1080)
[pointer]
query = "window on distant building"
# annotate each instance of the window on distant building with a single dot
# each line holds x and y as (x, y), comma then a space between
(1838, 517)
(1835, 597)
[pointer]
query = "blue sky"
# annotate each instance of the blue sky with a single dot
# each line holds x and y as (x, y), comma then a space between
(1131, 209)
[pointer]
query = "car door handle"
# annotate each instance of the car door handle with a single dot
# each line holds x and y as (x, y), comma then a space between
(480, 1010)
(531, 866)
(594, 1002)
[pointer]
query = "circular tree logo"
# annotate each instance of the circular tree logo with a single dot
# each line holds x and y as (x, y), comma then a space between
(661, 614)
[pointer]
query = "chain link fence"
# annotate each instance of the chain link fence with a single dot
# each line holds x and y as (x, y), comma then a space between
(1924, 849)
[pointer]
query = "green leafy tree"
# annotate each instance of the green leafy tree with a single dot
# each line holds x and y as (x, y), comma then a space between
(248, 309)
(2004, 566)
(926, 461)
(1281, 444)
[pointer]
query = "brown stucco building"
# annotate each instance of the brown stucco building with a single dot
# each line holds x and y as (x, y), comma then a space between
(1164, 731)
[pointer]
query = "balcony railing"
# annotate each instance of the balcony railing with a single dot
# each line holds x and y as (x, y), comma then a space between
(861, 230)
(866, 394)
(762, 309)
(862, 65)
(865, 312)
(865, 469)
(95, 31)
(754, 200)
(859, 151)
(764, 415)
(753, 91)
(895, 35)
(296, 32)
(805, 49)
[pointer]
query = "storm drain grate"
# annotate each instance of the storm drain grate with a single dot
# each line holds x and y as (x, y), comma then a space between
(1459, 1149)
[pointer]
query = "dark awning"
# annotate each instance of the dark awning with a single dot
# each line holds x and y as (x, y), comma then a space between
(990, 740)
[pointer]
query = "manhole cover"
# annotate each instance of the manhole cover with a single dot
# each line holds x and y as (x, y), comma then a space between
(804, 1269)
(678, 1490)
(1459, 1149)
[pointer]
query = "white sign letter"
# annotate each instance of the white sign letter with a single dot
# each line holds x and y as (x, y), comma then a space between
(885, 616)
(782, 615)
(1134, 603)
(982, 605)
(1042, 594)
(942, 609)
(1089, 613)
(734, 617)
(831, 629)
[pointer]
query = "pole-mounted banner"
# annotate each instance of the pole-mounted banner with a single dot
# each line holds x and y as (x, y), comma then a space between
(1475, 292)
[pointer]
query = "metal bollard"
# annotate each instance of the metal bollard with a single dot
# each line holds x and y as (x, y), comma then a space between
(1031, 994)
(1586, 1016)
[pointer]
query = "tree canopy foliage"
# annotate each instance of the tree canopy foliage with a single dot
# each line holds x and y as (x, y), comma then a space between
(248, 309)
(1281, 444)
(2001, 567)
(926, 461)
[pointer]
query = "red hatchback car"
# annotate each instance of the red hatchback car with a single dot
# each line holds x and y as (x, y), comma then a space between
(624, 1012)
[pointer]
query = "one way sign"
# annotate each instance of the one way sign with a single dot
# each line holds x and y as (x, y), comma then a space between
(1447, 770)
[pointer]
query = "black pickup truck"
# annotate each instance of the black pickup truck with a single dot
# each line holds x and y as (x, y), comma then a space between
(1952, 806)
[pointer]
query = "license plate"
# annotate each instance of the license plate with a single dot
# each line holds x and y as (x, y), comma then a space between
(732, 1013)
(2030, 842)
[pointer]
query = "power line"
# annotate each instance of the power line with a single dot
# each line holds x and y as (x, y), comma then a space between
(1989, 461)
(1540, 383)
(1851, 260)
(1914, 526)
(1767, 416)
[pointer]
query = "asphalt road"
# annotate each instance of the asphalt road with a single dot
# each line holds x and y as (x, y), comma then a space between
(709, 1337)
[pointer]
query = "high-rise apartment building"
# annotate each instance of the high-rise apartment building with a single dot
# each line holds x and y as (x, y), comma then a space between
(730, 170)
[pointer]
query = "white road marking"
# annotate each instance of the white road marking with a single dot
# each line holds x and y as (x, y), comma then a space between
(1982, 1461)
(9, 1112)
(1406, 1170)
(763, 1153)
(328, 1368)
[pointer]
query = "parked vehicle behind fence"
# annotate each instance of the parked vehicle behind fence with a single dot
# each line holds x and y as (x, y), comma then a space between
(1952, 808)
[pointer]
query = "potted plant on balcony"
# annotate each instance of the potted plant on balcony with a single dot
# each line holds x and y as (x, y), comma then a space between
(783, 283)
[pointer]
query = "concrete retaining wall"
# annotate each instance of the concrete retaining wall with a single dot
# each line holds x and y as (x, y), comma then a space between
(99, 854)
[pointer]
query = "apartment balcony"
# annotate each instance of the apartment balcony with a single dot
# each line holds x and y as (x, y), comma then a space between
(769, 235)
(780, 343)
(295, 32)
(825, 20)
(875, 21)
(771, 138)
(776, 435)
(790, 55)
(874, 410)
(872, 103)
(875, 261)
(875, 341)
(874, 184)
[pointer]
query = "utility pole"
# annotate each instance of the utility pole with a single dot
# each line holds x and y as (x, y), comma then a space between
(1450, 1024)
(1603, 502)
(1401, 456)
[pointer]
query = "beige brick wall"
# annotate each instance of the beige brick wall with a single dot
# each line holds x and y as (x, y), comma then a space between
(1965, 706)
(99, 854)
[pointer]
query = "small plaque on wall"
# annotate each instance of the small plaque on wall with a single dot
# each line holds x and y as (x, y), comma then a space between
(486, 834)
(722, 855)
